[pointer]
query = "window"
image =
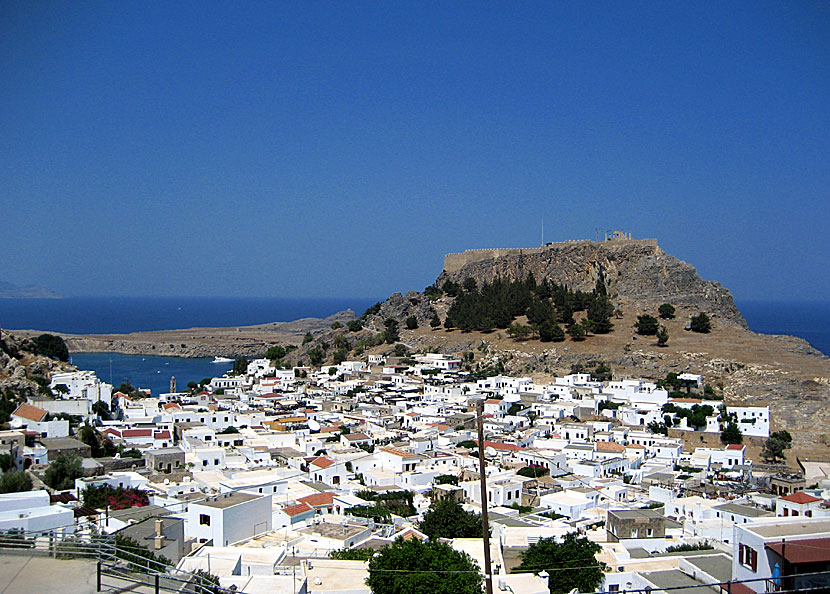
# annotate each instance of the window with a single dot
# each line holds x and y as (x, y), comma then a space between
(613, 588)
(748, 557)
(204, 520)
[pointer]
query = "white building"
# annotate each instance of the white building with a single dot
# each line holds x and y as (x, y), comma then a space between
(229, 518)
(30, 511)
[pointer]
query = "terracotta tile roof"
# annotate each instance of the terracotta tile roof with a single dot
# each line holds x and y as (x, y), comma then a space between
(635, 446)
(170, 405)
(318, 499)
(331, 429)
(137, 433)
(497, 445)
(29, 412)
(609, 446)
(161, 435)
(357, 437)
(111, 431)
(692, 400)
(810, 550)
(735, 446)
(800, 498)
(439, 426)
(295, 510)
(322, 462)
(397, 452)
(493, 401)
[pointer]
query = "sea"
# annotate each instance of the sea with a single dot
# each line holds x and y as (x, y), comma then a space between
(108, 315)
(111, 315)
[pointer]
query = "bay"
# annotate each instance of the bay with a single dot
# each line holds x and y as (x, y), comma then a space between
(147, 371)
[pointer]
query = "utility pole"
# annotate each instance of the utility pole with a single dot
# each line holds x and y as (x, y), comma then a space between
(485, 525)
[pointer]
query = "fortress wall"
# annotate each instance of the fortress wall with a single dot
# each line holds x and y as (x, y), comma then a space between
(455, 262)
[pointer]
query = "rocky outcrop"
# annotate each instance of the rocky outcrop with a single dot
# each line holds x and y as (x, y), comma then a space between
(637, 272)
(21, 369)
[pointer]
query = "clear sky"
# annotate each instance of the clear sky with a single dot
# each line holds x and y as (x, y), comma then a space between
(340, 149)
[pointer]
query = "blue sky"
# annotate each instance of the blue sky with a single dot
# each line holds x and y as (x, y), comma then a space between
(324, 149)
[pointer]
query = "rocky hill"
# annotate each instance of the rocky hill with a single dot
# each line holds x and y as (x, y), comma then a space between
(22, 371)
(637, 272)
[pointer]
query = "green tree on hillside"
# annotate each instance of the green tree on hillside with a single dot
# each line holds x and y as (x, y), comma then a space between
(275, 353)
(51, 346)
(435, 322)
(662, 336)
(700, 323)
(240, 366)
(666, 311)
(731, 434)
(647, 325)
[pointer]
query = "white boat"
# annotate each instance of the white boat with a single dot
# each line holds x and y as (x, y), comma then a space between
(222, 360)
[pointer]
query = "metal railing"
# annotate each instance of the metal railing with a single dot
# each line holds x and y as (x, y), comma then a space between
(116, 568)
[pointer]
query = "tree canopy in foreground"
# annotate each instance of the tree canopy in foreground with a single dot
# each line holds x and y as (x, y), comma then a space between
(416, 567)
(571, 563)
(447, 519)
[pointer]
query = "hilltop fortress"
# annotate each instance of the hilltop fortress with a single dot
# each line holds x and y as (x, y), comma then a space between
(636, 271)
(455, 262)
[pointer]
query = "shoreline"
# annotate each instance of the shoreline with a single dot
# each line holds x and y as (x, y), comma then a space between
(226, 341)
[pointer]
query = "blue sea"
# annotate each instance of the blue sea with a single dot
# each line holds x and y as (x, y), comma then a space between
(146, 371)
(807, 320)
(118, 315)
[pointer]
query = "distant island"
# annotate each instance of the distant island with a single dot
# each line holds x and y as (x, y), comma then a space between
(12, 291)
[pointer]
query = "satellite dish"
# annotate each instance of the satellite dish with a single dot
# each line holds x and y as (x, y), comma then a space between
(378, 400)
(313, 425)
(490, 451)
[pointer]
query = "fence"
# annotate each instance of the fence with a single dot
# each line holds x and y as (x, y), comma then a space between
(117, 569)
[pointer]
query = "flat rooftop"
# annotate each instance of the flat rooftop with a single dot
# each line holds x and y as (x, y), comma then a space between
(719, 566)
(331, 530)
(675, 578)
(795, 527)
(229, 500)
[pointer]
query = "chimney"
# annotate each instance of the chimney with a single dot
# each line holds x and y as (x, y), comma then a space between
(158, 540)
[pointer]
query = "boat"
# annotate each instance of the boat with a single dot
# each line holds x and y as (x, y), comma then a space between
(221, 360)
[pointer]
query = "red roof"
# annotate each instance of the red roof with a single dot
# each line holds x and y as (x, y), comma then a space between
(29, 412)
(294, 510)
(161, 435)
(497, 445)
(801, 497)
(735, 446)
(170, 405)
(137, 433)
(318, 499)
(809, 550)
(609, 446)
(322, 462)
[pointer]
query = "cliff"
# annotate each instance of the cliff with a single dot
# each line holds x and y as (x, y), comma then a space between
(637, 273)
